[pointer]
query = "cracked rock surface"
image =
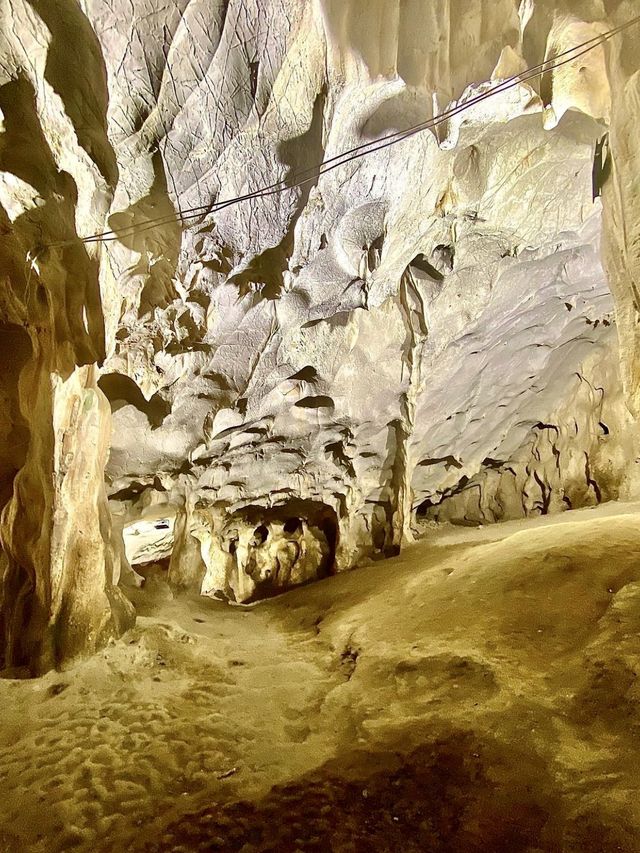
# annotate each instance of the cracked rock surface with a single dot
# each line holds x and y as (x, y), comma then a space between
(425, 333)
(209, 412)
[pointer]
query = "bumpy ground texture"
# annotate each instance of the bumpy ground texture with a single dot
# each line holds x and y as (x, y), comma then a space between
(479, 693)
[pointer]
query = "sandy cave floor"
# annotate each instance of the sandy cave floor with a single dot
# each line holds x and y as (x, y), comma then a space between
(478, 693)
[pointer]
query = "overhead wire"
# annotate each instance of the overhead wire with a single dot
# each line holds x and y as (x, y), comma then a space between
(363, 149)
(313, 173)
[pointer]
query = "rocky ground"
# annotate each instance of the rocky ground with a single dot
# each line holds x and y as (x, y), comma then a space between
(478, 693)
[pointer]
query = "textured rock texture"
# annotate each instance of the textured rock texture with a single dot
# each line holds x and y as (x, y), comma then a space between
(477, 693)
(425, 332)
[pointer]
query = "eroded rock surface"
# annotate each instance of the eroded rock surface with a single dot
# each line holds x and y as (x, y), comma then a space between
(427, 330)
(256, 553)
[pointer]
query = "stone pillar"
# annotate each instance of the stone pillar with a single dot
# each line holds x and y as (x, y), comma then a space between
(186, 568)
(57, 594)
(621, 198)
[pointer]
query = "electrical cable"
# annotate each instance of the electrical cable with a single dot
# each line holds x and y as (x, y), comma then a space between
(299, 180)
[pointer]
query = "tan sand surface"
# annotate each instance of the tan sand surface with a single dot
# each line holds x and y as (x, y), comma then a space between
(479, 692)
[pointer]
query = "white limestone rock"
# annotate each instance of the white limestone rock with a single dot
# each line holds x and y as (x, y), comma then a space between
(426, 327)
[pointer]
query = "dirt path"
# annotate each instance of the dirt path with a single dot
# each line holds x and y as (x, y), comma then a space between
(197, 702)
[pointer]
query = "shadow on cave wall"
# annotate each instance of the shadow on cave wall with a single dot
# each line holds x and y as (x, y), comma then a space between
(300, 155)
(75, 70)
(158, 247)
(65, 295)
(120, 390)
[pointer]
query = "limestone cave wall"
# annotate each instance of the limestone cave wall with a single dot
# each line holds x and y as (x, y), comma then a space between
(443, 329)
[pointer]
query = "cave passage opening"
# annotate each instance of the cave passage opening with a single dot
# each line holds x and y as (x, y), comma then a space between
(258, 552)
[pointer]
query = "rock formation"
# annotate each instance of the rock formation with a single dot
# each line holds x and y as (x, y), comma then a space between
(292, 385)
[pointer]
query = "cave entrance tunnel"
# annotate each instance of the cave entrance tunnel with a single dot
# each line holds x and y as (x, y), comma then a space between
(266, 551)
(245, 556)
(149, 539)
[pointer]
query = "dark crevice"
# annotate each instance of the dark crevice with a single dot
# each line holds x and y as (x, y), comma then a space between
(15, 352)
(293, 512)
(254, 68)
(319, 402)
(448, 462)
(306, 374)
